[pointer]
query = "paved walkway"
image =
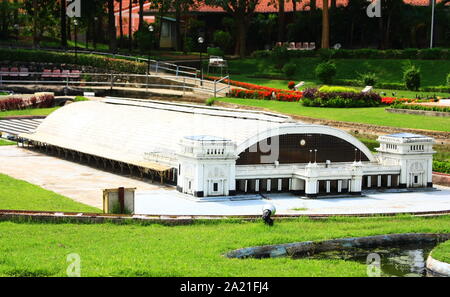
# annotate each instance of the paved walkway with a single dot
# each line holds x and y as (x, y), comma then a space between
(81, 183)
(165, 202)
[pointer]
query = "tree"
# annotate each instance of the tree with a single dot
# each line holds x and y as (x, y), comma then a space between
(120, 22)
(242, 11)
(325, 25)
(63, 23)
(111, 26)
(130, 25)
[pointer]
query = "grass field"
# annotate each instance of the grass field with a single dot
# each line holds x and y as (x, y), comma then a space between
(28, 249)
(20, 195)
(433, 72)
(442, 252)
(30, 111)
(373, 115)
(6, 142)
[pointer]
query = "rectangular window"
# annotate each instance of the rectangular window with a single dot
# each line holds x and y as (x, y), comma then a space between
(215, 187)
(416, 179)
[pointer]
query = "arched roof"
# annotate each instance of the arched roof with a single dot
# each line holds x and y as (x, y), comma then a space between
(134, 131)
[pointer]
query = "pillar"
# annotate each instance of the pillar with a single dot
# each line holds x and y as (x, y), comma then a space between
(257, 185)
(339, 186)
(311, 188)
(369, 181)
(389, 181)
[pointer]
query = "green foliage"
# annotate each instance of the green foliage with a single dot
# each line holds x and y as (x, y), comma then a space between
(448, 79)
(411, 77)
(215, 51)
(289, 69)
(420, 107)
(5, 142)
(145, 39)
(102, 62)
(80, 98)
(223, 39)
(442, 252)
(210, 101)
(279, 56)
(330, 89)
(441, 166)
(369, 79)
(325, 71)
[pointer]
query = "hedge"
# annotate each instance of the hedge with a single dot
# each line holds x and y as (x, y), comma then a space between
(392, 86)
(416, 54)
(420, 107)
(441, 166)
(15, 103)
(102, 62)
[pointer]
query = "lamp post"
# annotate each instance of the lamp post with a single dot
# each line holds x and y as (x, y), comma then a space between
(201, 40)
(75, 23)
(150, 29)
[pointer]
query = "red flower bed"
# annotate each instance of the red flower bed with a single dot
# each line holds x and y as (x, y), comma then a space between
(260, 92)
(392, 100)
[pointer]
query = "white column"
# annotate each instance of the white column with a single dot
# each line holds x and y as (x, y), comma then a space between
(280, 183)
(269, 181)
(389, 181)
(369, 181)
(245, 187)
(328, 186)
(257, 185)
(339, 187)
(311, 187)
(290, 184)
(379, 181)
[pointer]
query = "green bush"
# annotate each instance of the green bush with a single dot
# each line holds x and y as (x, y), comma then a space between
(215, 51)
(210, 101)
(289, 69)
(280, 56)
(441, 166)
(326, 71)
(369, 79)
(411, 77)
(448, 79)
(223, 39)
(420, 107)
(330, 89)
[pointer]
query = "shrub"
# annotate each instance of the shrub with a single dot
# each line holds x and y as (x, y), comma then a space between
(215, 51)
(328, 89)
(222, 39)
(448, 79)
(291, 85)
(411, 77)
(14, 103)
(369, 79)
(326, 71)
(280, 56)
(210, 101)
(289, 69)
(441, 166)
(314, 97)
(399, 105)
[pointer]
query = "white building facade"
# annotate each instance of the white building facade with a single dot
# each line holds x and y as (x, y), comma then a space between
(216, 152)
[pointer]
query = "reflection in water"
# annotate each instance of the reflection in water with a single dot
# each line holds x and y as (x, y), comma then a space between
(395, 261)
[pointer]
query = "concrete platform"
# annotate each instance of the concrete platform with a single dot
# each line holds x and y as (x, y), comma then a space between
(79, 182)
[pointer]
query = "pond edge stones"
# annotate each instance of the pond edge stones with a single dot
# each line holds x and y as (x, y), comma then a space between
(438, 267)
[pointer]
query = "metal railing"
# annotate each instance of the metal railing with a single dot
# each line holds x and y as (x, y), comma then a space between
(112, 80)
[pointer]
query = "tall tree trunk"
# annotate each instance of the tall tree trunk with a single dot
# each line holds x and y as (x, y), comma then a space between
(63, 24)
(35, 28)
(325, 25)
(120, 23)
(179, 40)
(294, 6)
(312, 4)
(242, 35)
(111, 26)
(141, 14)
(281, 20)
(130, 26)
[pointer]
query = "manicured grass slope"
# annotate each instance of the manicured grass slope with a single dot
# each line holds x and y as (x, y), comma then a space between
(442, 252)
(20, 195)
(374, 116)
(6, 142)
(195, 250)
(434, 72)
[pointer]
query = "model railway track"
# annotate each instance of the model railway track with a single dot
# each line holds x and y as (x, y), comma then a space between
(76, 217)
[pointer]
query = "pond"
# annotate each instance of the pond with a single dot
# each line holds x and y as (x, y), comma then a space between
(395, 261)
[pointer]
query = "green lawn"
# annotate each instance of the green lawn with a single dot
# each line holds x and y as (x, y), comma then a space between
(442, 252)
(19, 195)
(31, 111)
(194, 250)
(434, 72)
(373, 115)
(6, 142)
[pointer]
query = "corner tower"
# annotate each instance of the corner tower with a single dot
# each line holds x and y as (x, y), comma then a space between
(413, 153)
